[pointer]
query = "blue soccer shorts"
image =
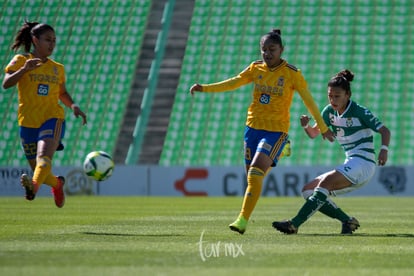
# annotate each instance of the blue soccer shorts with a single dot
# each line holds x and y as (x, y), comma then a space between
(30, 136)
(269, 142)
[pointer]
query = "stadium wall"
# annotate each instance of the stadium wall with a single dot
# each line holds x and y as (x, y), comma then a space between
(203, 181)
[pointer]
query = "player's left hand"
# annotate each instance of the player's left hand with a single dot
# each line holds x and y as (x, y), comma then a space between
(304, 120)
(382, 157)
(329, 135)
(78, 112)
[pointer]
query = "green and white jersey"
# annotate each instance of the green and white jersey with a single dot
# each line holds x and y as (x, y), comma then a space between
(354, 129)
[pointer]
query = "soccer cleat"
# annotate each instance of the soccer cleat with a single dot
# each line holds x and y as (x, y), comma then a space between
(60, 147)
(285, 226)
(58, 193)
(239, 225)
(28, 185)
(350, 226)
(286, 149)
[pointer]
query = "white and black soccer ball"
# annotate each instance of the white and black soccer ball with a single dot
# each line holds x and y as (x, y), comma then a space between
(98, 165)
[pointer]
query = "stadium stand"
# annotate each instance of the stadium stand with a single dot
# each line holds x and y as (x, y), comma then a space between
(372, 38)
(99, 43)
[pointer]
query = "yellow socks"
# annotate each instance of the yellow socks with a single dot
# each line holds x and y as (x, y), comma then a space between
(51, 180)
(254, 189)
(43, 170)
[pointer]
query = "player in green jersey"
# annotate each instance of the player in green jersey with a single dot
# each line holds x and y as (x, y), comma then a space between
(353, 126)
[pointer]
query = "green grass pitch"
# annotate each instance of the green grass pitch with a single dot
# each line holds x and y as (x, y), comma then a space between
(190, 236)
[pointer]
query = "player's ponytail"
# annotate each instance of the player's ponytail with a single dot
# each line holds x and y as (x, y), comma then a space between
(24, 35)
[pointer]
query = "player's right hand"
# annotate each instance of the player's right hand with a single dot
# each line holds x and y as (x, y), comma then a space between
(329, 135)
(196, 88)
(32, 63)
(304, 120)
(78, 112)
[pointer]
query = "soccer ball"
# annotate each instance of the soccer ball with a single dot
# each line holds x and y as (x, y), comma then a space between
(98, 165)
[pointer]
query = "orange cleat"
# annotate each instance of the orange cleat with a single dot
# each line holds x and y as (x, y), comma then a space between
(58, 193)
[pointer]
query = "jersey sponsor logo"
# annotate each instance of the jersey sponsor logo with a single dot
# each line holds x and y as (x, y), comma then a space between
(349, 122)
(344, 122)
(264, 99)
(42, 89)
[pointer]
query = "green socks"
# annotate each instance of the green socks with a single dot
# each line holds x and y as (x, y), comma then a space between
(312, 205)
(329, 209)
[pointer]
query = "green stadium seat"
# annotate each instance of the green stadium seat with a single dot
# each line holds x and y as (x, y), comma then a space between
(88, 47)
(370, 39)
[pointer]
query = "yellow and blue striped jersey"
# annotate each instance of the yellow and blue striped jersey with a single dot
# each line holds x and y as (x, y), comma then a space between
(272, 95)
(38, 91)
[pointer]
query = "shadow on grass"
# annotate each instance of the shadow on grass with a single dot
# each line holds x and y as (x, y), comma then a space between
(130, 235)
(396, 235)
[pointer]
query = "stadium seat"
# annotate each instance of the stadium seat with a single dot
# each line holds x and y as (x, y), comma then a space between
(94, 40)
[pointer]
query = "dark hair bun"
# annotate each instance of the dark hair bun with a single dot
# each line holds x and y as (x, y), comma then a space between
(347, 74)
(278, 31)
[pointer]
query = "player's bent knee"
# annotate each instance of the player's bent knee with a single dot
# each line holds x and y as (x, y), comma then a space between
(306, 193)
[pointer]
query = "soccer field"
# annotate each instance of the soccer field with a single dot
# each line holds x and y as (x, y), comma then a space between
(190, 236)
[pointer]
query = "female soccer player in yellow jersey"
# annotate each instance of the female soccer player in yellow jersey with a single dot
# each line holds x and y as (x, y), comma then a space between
(267, 122)
(40, 84)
